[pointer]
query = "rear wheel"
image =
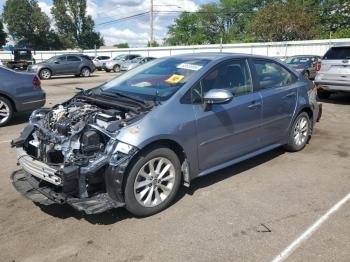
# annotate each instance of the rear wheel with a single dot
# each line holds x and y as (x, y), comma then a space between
(299, 133)
(85, 72)
(6, 111)
(322, 94)
(116, 68)
(45, 74)
(152, 182)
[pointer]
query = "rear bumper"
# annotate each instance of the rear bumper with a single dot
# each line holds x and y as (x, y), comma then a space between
(333, 86)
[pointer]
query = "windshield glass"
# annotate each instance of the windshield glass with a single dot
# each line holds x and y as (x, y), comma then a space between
(298, 60)
(136, 60)
(119, 57)
(159, 79)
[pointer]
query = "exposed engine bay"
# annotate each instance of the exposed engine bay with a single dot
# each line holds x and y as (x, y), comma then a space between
(72, 150)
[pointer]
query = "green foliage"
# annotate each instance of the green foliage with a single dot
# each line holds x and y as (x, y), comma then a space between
(152, 44)
(3, 34)
(273, 23)
(75, 27)
(122, 45)
(261, 20)
(28, 25)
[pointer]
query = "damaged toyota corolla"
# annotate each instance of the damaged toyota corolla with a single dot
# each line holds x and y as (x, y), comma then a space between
(133, 140)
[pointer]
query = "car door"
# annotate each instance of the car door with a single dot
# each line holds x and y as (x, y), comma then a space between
(278, 89)
(59, 65)
(73, 64)
(227, 131)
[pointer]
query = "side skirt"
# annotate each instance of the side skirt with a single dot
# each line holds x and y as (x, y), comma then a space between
(239, 159)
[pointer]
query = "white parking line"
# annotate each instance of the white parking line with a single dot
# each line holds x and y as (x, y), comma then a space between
(296, 243)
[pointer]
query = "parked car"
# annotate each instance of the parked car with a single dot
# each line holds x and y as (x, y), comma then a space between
(304, 64)
(131, 141)
(99, 60)
(19, 92)
(135, 63)
(115, 63)
(334, 71)
(72, 64)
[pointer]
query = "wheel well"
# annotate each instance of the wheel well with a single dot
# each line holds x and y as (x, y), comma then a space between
(45, 68)
(85, 67)
(308, 111)
(11, 101)
(171, 144)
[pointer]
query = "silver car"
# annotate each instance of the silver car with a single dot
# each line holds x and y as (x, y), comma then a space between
(135, 63)
(99, 61)
(115, 63)
(334, 71)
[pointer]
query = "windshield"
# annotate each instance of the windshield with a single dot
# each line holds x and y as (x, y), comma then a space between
(119, 57)
(159, 79)
(136, 60)
(298, 60)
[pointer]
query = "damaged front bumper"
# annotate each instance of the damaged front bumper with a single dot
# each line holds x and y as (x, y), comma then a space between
(47, 185)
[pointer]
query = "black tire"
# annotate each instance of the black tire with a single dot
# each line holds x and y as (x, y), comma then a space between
(45, 74)
(85, 72)
(107, 70)
(5, 106)
(116, 68)
(132, 204)
(322, 94)
(292, 144)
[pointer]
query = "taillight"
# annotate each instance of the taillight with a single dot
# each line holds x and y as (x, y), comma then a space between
(318, 66)
(36, 81)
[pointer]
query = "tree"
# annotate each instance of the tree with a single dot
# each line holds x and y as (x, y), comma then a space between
(27, 24)
(153, 43)
(3, 34)
(122, 45)
(275, 23)
(75, 27)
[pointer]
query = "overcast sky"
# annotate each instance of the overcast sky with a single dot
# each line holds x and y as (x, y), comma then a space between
(134, 31)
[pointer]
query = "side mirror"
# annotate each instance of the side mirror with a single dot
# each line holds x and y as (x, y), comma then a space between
(217, 96)
(56, 62)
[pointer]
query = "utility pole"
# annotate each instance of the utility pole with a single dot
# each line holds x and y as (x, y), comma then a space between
(151, 38)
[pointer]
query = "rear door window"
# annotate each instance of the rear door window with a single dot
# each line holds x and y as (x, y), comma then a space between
(337, 53)
(272, 75)
(73, 58)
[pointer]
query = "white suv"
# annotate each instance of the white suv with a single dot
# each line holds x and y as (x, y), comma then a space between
(334, 71)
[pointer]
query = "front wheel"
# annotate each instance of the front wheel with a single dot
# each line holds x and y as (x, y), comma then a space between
(6, 111)
(152, 182)
(299, 133)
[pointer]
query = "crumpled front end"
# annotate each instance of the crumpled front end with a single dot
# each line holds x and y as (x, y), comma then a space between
(70, 154)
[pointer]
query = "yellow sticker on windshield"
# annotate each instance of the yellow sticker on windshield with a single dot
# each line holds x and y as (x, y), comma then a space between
(174, 79)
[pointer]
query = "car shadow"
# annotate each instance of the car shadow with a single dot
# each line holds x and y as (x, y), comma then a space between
(19, 118)
(340, 98)
(120, 214)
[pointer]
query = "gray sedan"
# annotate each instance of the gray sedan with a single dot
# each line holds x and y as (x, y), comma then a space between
(306, 64)
(78, 65)
(19, 92)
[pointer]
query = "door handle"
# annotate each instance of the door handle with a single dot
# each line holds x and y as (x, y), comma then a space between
(289, 95)
(254, 105)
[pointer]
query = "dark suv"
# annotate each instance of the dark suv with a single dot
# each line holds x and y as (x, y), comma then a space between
(72, 64)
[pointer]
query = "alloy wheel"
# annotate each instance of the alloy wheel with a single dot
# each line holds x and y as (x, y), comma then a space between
(4, 112)
(154, 182)
(45, 74)
(301, 131)
(85, 72)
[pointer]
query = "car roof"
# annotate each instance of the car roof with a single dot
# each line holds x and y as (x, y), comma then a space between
(341, 45)
(218, 56)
